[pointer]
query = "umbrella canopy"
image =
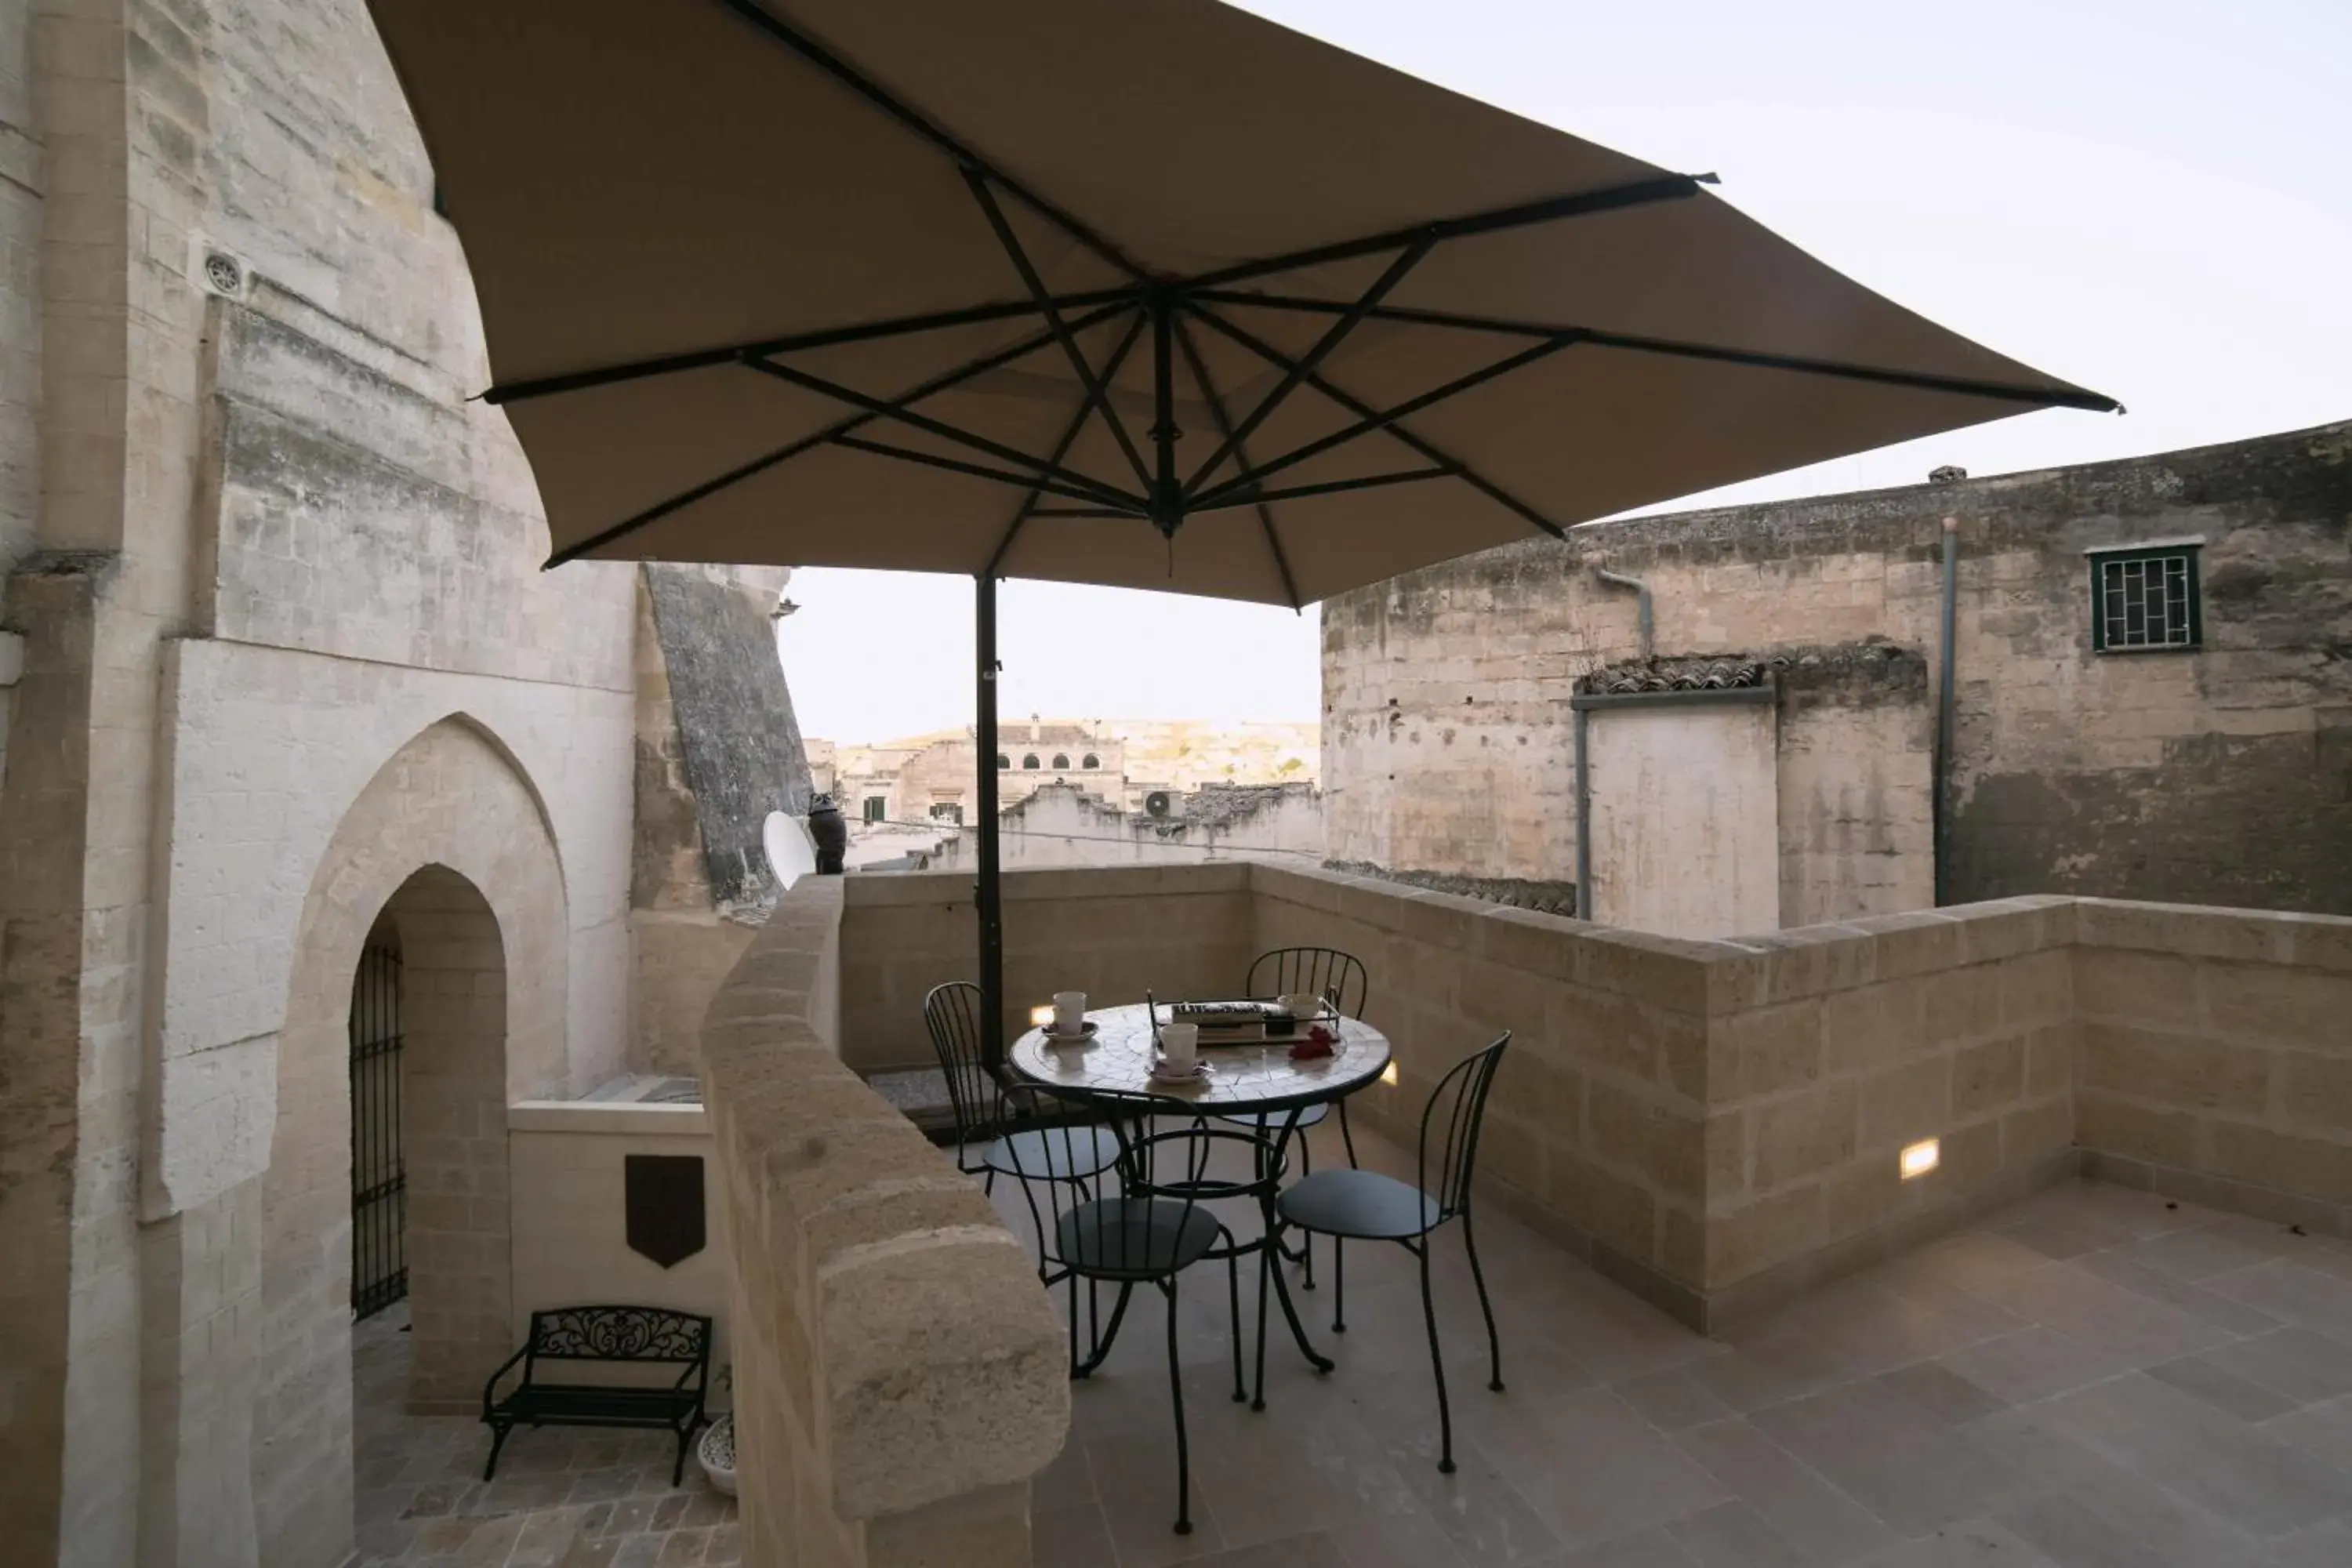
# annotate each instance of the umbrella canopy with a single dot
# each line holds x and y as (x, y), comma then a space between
(1155, 294)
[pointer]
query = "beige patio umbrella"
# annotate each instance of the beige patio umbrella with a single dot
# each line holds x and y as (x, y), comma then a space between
(1152, 294)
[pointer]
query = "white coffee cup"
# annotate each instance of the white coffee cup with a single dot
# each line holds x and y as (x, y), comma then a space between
(1180, 1045)
(1069, 1012)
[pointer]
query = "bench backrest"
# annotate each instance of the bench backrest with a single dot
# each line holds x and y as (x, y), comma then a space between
(620, 1334)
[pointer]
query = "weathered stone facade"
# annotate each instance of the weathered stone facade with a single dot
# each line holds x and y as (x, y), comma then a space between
(290, 669)
(2222, 775)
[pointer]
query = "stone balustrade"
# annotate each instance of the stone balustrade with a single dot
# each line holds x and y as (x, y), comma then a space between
(899, 1373)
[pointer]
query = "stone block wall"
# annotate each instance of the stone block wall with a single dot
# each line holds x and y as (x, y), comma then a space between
(1175, 930)
(1446, 738)
(571, 1203)
(2215, 1064)
(1832, 1049)
(1719, 1125)
(899, 1374)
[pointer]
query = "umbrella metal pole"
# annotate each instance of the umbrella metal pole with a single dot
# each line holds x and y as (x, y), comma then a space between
(988, 896)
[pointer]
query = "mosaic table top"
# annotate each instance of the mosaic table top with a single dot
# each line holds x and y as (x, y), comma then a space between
(1239, 1077)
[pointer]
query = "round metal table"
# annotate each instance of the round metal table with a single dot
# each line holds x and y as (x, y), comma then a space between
(1256, 1081)
(1242, 1080)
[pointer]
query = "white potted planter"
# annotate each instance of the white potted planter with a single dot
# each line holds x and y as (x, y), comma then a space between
(715, 1450)
(716, 1453)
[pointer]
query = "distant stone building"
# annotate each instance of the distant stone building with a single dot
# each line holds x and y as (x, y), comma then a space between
(1060, 824)
(2152, 699)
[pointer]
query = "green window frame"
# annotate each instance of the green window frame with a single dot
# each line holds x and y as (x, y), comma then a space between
(876, 806)
(2147, 599)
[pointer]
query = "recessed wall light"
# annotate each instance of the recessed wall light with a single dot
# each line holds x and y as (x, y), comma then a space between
(1922, 1157)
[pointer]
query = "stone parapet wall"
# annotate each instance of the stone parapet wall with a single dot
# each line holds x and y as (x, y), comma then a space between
(2215, 1064)
(899, 1375)
(1719, 1125)
(1174, 930)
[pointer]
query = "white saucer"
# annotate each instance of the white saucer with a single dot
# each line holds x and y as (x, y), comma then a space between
(1160, 1073)
(1056, 1037)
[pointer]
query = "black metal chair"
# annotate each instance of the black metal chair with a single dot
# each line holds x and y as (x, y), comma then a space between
(1339, 978)
(1153, 1230)
(976, 1094)
(1368, 1207)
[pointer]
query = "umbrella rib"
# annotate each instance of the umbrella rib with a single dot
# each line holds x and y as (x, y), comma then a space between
(1612, 198)
(1216, 403)
(1037, 287)
(913, 120)
(1337, 486)
(863, 331)
(958, 466)
(1349, 318)
(1062, 449)
(1357, 406)
(792, 449)
(1383, 419)
(1632, 342)
(894, 408)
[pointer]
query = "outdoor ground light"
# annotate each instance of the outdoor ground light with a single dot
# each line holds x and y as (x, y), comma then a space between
(1922, 1157)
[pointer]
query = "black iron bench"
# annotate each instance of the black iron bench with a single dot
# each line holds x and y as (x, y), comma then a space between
(615, 1336)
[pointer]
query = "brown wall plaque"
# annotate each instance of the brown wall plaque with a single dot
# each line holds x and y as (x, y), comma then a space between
(665, 1207)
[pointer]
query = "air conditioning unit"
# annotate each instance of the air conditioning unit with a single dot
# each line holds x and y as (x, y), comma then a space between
(1157, 804)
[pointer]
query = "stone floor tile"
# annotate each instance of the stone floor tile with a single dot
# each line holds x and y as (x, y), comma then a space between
(1650, 1549)
(642, 1550)
(2301, 1365)
(2119, 1322)
(2223, 1389)
(2118, 1268)
(1940, 1391)
(2291, 1292)
(2198, 1253)
(1315, 1550)
(1967, 1543)
(725, 1545)
(684, 1548)
(2032, 1364)
(1733, 1535)
(1135, 1477)
(1911, 1468)
(2232, 1470)
(2323, 1430)
(1594, 1469)
(1769, 1371)
(492, 1540)
(2166, 1530)
(2326, 1545)
(2077, 1535)
(1672, 1400)
(1825, 1525)
(1071, 1535)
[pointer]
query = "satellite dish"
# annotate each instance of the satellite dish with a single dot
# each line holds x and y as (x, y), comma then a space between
(1157, 803)
(791, 853)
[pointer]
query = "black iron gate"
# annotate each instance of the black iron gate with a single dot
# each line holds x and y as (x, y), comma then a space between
(379, 1176)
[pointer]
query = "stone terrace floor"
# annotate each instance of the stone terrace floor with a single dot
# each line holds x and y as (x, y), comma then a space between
(582, 1498)
(2091, 1377)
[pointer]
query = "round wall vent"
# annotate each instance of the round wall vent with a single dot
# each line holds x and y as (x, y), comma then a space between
(224, 272)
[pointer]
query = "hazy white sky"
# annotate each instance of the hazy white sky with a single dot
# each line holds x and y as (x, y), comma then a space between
(2151, 197)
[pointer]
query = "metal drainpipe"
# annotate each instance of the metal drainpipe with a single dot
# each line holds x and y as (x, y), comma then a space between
(1583, 825)
(1647, 620)
(1946, 711)
(1647, 630)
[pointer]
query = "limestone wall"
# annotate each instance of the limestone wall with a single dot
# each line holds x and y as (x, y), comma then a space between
(2213, 777)
(1181, 930)
(899, 1374)
(2215, 1062)
(1063, 824)
(567, 1160)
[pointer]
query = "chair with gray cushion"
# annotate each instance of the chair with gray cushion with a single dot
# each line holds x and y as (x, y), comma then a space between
(976, 1095)
(1367, 1206)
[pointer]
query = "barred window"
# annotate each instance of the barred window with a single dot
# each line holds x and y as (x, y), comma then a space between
(2145, 600)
